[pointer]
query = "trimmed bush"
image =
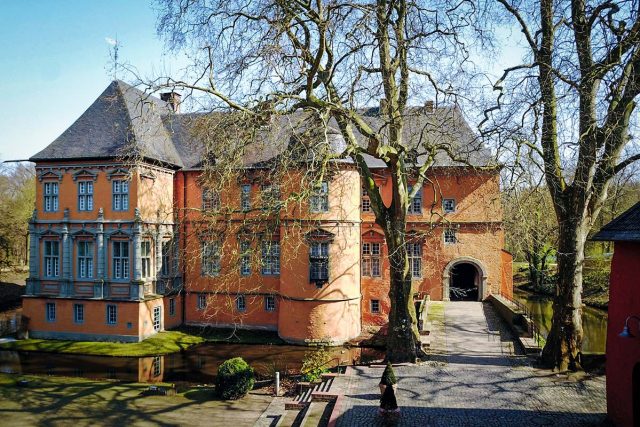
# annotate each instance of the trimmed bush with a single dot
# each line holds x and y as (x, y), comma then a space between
(235, 379)
(388, 376)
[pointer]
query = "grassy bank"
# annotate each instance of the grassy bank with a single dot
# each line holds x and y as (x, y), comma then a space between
(62, 401)
(162, 343)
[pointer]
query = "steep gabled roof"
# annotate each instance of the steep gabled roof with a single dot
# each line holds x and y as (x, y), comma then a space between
(122, 122)
(625, 227)
(125, 122)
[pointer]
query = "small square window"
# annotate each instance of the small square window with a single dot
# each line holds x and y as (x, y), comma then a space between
(270, 303)
(449, 205)
(450, 236)
(241, 303)
(375, 306)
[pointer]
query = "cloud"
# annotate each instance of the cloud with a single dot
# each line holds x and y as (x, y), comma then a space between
(110, 41)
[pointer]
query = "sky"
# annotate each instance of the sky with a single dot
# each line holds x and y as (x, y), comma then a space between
(55, 61)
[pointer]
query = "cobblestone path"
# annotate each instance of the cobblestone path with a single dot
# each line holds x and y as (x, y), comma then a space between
(474, 378)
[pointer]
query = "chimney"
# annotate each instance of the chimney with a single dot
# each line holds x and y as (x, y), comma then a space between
(173, 99)
(428, 106)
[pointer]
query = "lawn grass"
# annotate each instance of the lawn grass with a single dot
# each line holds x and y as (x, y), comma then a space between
(63, 401)
(163, 343)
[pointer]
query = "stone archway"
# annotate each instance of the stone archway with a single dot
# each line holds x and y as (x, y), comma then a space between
(479, 278)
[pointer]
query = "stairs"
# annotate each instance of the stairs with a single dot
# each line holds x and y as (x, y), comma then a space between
(311, 403)
(425, 338)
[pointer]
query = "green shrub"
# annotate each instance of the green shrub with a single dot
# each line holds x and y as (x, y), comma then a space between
(314, 364)
(388, 376)
(235, 378)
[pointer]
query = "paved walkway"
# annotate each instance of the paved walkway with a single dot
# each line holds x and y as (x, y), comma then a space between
(474, 378)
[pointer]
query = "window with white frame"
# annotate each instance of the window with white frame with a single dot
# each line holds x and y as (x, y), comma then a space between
(85, 260)
(120, 258)
(319, 262)
(120, 188)
(371, 259)
(78, 313)
(157, 316)
(210, 258)
(415, 204)
(450, 236)
(112, 314)
(210, 200)
(145, 255)
(85, 195)
(245, 197)
(51, 258)
(50, 311)
(172, 306)
(245, 258)
(202, 301)
(375, 306)
(270, 303)
(270, 257)
(319, 200)
(414, 252)
(241, 303)
(50, 196)
(157, 366)
(449, 205)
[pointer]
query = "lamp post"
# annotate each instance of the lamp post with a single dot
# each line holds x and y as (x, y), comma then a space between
(626, 333)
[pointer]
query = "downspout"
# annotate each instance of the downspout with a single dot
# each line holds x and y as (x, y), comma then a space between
(183, 242)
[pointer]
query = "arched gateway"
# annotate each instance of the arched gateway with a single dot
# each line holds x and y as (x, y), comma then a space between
(464, 279)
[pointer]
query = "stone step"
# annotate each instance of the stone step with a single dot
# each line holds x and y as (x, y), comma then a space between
(295, 406)
(313, 414)
(530, 345)
(319, 396)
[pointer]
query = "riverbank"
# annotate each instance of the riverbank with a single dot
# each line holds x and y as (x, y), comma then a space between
(65, 400)
(163, 343)
(595, 298)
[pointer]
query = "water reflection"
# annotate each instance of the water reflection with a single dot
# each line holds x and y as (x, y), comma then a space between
(198, 364)
(594, 321)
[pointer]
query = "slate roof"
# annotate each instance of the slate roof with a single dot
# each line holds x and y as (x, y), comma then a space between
(125, 121)
(625, 227)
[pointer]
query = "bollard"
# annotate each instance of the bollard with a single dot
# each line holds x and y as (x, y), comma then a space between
(277, 383)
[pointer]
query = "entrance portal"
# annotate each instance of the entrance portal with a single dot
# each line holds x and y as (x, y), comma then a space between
(464, 282)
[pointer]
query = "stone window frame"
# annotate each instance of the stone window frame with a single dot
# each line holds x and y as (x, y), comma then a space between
(85, 195)
(120, 195)
(51, 258)
(85, 259)
(50, 193)
(146, 255)
(414, 254)
(121, 263)
(450, 236)
(448, 205)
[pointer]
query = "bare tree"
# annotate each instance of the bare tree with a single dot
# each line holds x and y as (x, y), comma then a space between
(575, 99)
(273, 58)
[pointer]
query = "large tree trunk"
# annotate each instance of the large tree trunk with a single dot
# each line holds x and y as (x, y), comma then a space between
(562, 349)
(403, 338)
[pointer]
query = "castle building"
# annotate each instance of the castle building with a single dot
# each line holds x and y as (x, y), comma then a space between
(127, 240)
